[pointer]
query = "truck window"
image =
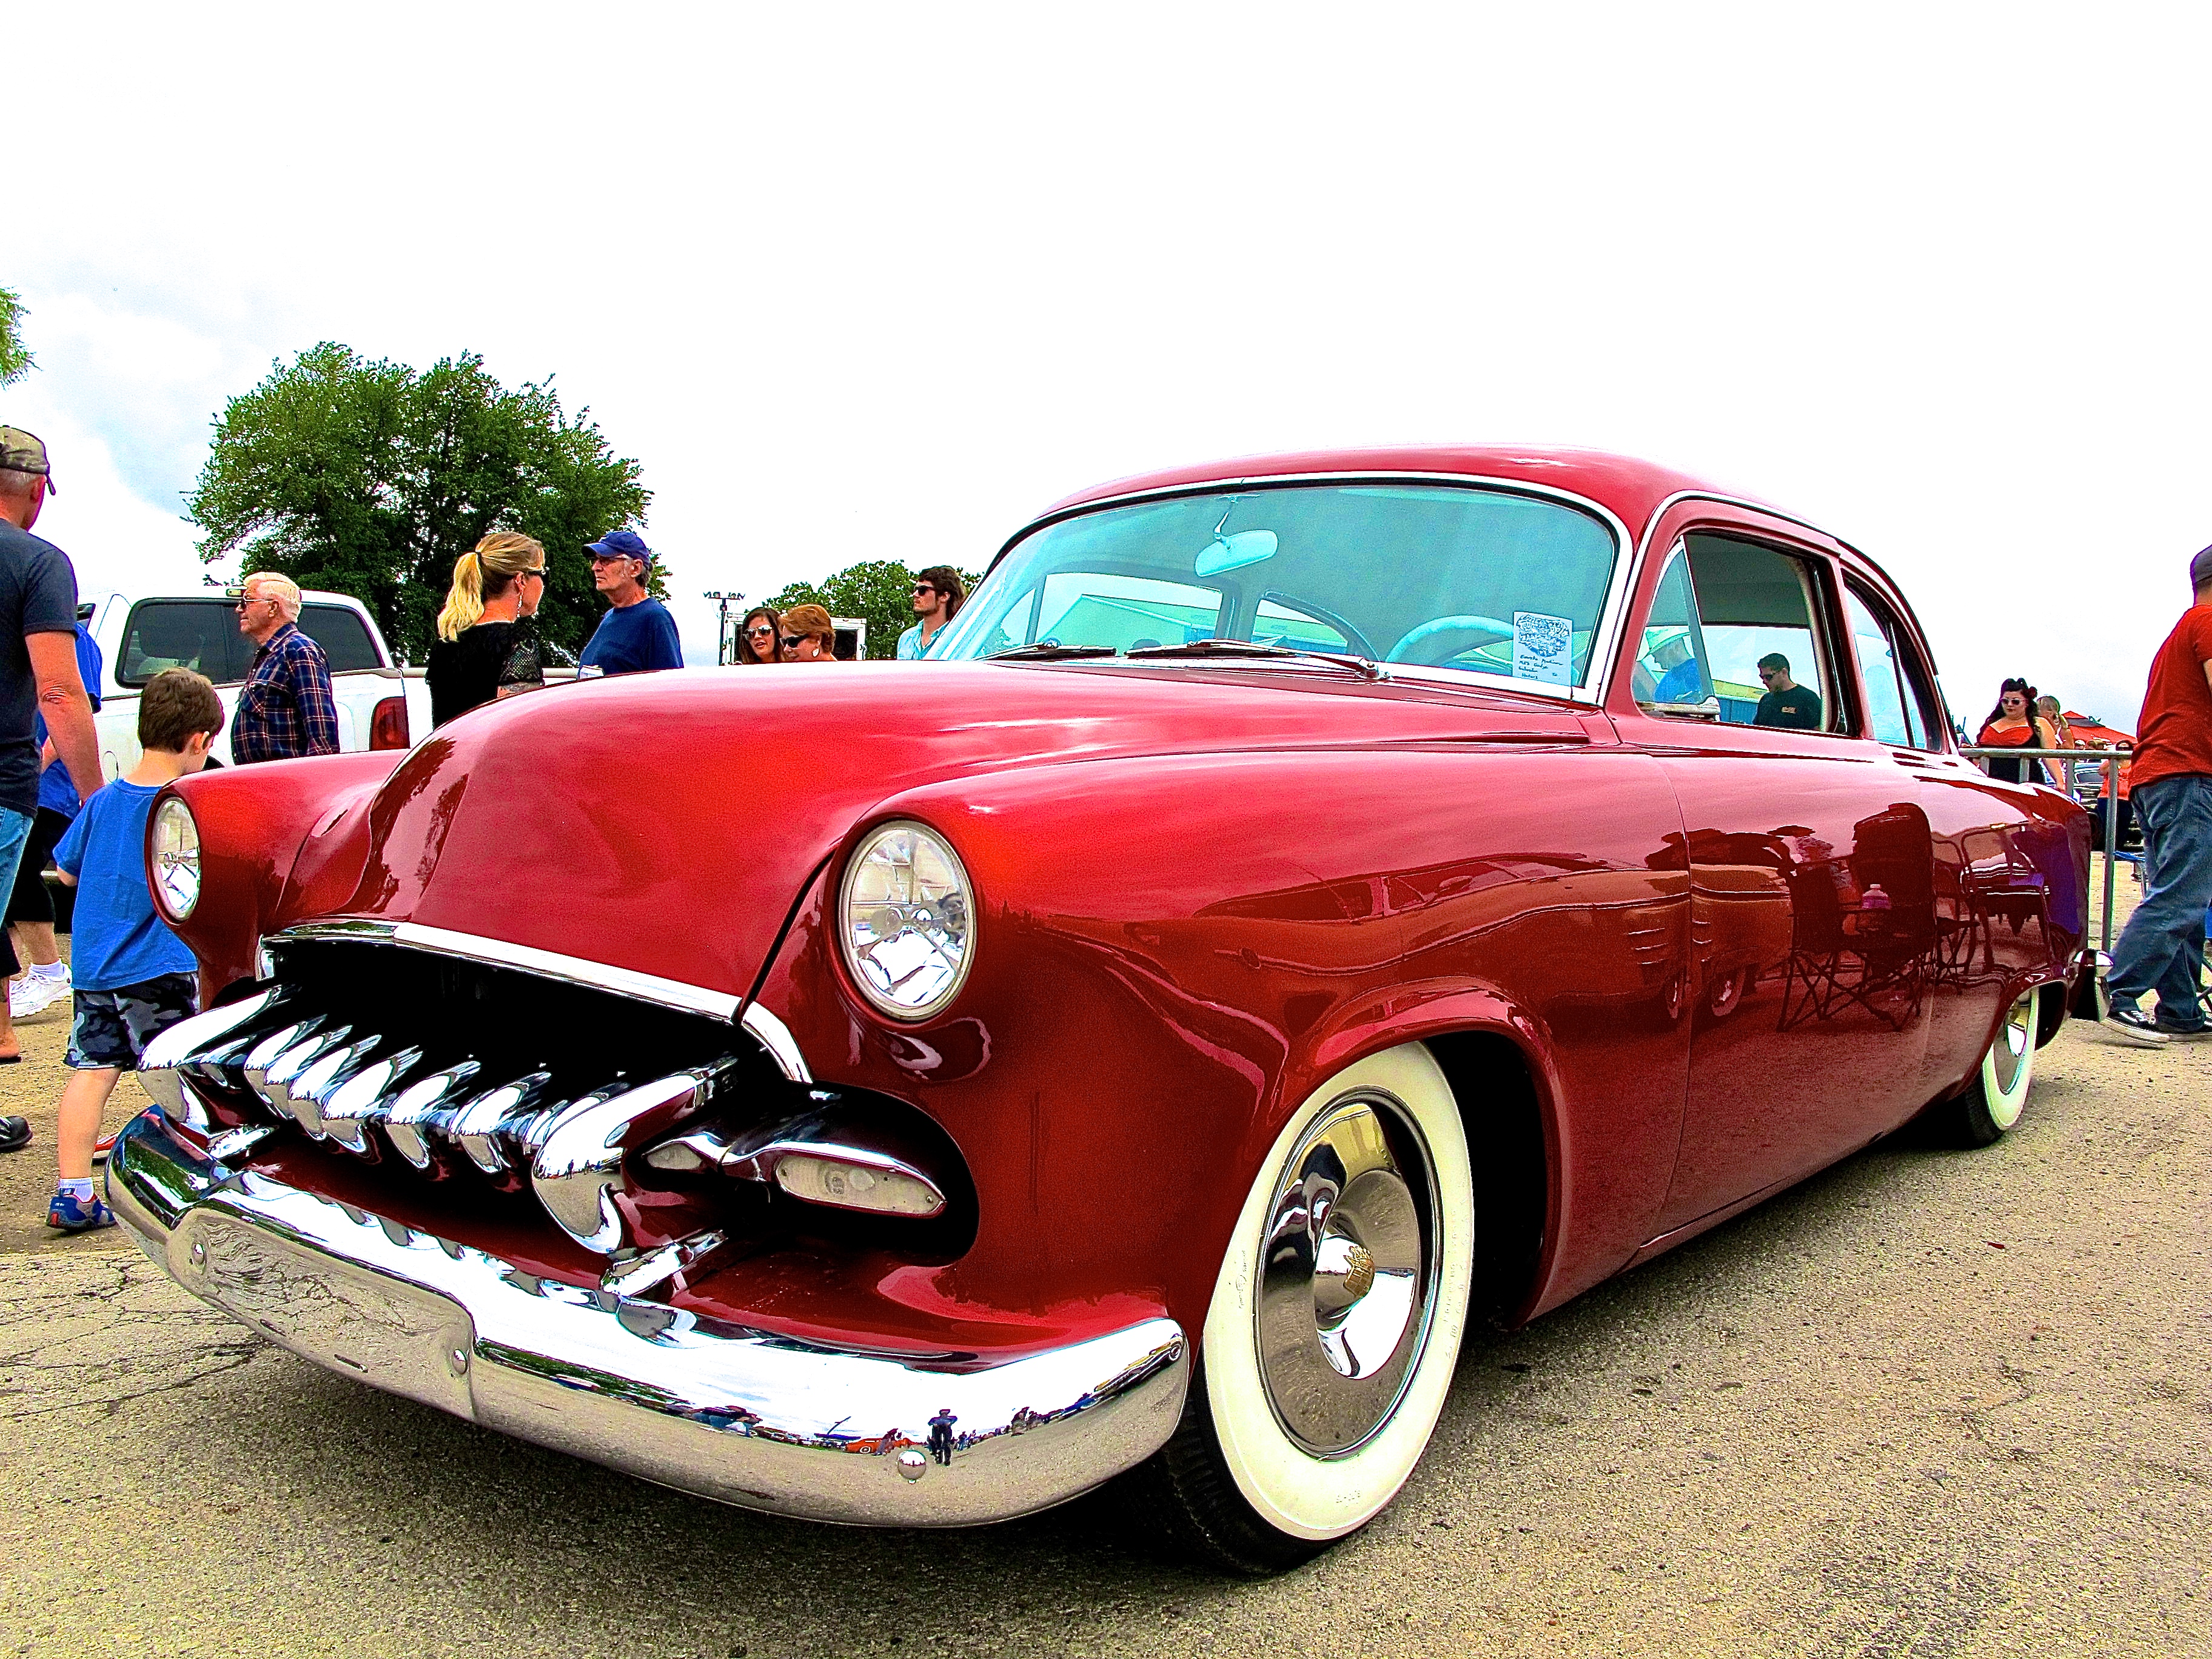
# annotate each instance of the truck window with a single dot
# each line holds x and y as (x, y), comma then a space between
(343, 635)
(197, 634)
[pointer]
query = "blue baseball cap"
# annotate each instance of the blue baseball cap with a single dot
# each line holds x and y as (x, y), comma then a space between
(621, 545)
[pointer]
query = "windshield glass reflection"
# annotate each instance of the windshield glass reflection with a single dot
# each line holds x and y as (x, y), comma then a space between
(1469, 579)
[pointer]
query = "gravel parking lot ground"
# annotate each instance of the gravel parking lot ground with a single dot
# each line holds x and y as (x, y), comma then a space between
(1928, 1403)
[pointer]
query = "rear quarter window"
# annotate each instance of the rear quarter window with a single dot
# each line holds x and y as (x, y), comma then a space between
(343, 635)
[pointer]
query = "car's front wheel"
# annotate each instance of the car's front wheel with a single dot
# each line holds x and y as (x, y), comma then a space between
(1335, 1323)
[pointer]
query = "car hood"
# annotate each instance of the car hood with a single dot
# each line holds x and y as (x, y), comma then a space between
(666, 822)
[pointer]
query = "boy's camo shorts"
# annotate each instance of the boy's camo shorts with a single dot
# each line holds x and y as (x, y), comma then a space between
(113, 1028)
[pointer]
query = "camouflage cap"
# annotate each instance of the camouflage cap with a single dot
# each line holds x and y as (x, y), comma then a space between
(26, 452)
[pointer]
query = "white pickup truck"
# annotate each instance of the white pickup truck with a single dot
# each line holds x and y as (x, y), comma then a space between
(381, 705)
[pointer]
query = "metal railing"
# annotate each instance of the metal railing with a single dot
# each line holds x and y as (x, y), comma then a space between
(2111, 760)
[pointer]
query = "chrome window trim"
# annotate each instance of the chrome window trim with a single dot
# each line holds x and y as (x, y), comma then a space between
(1604, 639)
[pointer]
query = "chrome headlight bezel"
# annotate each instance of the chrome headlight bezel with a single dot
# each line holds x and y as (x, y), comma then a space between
(946, 915)
(173, 858)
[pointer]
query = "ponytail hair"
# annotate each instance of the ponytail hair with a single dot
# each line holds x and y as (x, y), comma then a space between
(484, 571)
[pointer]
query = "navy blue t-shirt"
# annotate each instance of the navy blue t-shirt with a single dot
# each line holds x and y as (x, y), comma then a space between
(38, 595)
(633, 638)
(117, 940)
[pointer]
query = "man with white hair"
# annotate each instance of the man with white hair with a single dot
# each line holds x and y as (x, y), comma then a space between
(285, 708)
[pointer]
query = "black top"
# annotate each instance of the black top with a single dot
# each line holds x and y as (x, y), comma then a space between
(38, 595)
(467, 672)
(1798, 708)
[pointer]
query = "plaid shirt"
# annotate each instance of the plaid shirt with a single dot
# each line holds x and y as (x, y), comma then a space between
(285, 707)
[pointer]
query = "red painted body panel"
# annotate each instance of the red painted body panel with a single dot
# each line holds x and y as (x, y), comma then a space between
(1201, 890)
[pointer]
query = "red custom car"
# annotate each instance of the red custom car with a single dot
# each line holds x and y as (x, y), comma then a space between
(1095, 1057)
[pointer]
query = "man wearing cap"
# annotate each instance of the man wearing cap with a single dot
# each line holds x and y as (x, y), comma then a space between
(38, 675)
(638, 633)
(2162, 950)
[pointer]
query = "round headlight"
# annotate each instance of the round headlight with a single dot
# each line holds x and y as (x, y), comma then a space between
(906, 915)
(176, 859)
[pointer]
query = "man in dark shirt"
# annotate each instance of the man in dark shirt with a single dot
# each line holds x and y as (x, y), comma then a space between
(286, 707)
(38, 675)
(1786, 702)
(638, 633)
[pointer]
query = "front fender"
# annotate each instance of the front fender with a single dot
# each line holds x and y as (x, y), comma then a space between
(252, 821)
(1172, 951)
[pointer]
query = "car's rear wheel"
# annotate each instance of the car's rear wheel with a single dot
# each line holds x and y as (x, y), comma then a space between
(1336, 1323)
(1993, 1102)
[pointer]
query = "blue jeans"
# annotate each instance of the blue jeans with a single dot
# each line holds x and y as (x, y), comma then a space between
(15, 831)
(2163, 948)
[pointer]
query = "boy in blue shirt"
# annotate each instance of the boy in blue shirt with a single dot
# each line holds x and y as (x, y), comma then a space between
(134, 978)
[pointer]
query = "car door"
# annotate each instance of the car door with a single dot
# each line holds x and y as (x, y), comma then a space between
(1811, 860)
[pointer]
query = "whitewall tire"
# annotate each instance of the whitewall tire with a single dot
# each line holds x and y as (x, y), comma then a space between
(1328, 1348)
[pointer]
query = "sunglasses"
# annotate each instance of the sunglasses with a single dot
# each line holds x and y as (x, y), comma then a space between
(612, 558)
(760, 633)
(242, 604)
(925, 587)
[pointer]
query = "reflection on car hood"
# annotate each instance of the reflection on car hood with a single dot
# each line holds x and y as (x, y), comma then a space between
(666, 823)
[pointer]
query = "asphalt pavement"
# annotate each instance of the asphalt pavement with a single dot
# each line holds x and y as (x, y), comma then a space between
(1928, 1403)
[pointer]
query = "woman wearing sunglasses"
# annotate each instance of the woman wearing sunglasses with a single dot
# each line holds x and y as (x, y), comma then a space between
(488, 646)
(2014, 724)
(809, 636)
(757, 640)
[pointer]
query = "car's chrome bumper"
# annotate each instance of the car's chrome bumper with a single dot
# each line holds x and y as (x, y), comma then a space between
(743, 1416)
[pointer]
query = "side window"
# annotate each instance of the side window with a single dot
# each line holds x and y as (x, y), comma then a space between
(343, 635)
(1755, 609)
(1671, 676)
(1901, 707)
(201, 634)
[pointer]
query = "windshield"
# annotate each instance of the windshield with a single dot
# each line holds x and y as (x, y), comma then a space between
(1434, 575)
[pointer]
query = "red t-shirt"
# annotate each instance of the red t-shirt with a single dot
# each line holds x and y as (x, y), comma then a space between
(2175, 735)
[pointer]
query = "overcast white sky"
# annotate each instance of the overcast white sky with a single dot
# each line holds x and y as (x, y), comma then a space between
(884, 280)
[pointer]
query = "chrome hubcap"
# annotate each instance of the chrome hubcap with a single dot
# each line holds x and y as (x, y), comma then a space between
(2008, 1054)
(1347, 1275)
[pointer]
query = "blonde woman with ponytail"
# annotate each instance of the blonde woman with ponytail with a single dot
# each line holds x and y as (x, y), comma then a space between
(488, 646)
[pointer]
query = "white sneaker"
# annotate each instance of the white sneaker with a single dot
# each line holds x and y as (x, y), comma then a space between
(34, 993)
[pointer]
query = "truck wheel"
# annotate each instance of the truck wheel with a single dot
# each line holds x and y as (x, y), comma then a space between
(1993, 1102)
(1335, 1323)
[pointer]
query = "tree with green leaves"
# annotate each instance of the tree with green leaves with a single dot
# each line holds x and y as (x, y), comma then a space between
(372, 478)
(16, 359)
(880, 590)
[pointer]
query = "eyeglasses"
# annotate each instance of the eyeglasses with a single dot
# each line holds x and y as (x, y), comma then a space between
(242, 604)
(792, 641)
(539, 572)
(925, 587)
(760, 633)
(611, 558)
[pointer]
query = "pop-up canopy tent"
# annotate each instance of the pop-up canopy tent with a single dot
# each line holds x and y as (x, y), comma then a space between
(2087, 728)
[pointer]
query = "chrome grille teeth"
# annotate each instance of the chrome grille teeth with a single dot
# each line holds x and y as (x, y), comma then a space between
(365, 1095)
(175, 1051)
(320, 1081)
(406, 1125)
(280, 1079)
(487, 1127)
